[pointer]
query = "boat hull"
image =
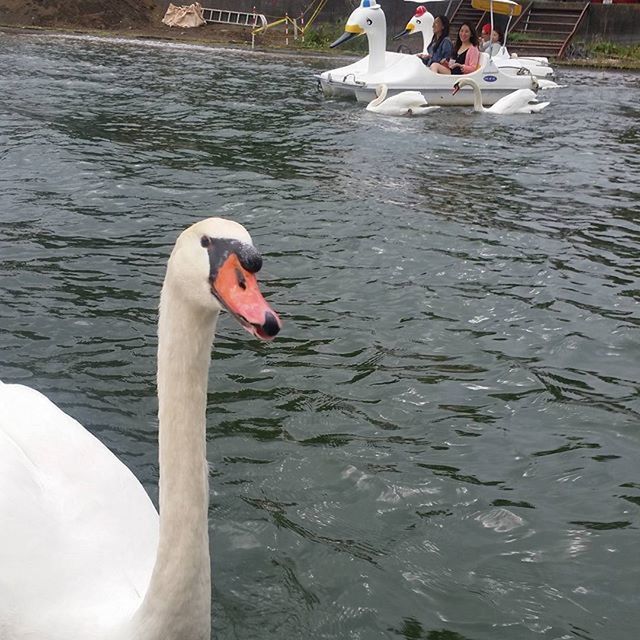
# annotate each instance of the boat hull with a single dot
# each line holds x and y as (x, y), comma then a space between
(410, 74)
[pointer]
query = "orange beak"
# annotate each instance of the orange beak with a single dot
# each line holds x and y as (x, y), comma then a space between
(237, 290)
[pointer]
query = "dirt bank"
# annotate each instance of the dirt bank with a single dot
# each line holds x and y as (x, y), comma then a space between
(143, 18)
(137, 18)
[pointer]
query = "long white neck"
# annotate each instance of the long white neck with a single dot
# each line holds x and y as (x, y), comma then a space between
(178, 601)
(381, 97)
(427, 34)
(426, 41)
(477, 96)
(377, 46)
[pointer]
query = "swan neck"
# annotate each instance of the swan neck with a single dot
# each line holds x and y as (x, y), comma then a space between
(381, 98)
(477, 96)
(377, 48)
(178, 601)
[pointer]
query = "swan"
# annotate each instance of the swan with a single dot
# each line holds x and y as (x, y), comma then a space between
(83, 552)
(544, 83)
(516, 102)
(407, 103)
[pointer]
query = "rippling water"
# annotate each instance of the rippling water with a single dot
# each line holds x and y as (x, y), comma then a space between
(443, 444)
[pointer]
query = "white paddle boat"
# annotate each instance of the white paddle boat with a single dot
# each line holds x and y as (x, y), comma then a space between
(404, 72)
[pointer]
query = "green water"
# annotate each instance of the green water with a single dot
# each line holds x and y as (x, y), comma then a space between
(443, 442)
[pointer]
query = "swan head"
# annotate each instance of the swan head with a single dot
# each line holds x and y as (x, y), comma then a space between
(367, 18)
(465, 82)
(213, 266)
(421, 22)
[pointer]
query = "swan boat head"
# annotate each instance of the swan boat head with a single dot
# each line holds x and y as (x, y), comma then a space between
(213, 266)
(369, 19)
(421, 22)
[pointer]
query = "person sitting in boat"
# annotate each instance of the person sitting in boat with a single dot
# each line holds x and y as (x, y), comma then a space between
(440, 48)
(493, 45)
(466, 55)
(485, 36)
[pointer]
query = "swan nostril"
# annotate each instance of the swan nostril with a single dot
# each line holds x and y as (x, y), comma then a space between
(271, 326)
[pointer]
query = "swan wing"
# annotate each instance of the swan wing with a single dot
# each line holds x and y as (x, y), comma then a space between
(407, 99)
(78, 533)
(543, 83)
(422, 111)
(512, 102)
(533, 107)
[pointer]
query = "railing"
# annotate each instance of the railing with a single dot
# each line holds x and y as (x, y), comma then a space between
(565, 44)
(239, 18)
(525, 12)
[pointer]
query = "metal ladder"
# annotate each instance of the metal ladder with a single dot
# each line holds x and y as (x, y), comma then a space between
(239, 18)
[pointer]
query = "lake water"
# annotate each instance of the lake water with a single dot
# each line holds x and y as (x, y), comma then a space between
(444, 441)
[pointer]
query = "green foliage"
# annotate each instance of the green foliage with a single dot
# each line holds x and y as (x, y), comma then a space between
(612, 50)
(322, 35)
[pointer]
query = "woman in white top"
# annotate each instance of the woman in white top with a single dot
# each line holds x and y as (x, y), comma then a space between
(493, 45)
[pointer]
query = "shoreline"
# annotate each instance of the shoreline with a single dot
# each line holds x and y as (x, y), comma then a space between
(240, 39)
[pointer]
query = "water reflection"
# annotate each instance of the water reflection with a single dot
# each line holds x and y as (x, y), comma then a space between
(442, 444)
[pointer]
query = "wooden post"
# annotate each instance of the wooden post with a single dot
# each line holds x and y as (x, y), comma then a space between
(253, 35)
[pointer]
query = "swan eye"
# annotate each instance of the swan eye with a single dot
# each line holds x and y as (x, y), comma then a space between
(418, 21)
(369, 21)
(205, 242)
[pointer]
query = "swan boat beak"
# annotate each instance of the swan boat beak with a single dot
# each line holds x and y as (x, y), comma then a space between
(456, 88)
(350, 32)
(236, 288)
(409, 28)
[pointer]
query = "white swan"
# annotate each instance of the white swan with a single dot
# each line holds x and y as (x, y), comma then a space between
(516, 102)
(543, 83)
(407, 103)
(83, 553)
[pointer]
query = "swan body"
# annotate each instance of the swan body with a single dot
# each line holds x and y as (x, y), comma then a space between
(543, 83)
(407, 103)
(83, 552)
(518, 102)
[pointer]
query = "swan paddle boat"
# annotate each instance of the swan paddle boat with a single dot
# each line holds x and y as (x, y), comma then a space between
(422, 22)
(404, 72)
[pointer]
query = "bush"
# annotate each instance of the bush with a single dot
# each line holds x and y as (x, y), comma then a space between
(323, 35)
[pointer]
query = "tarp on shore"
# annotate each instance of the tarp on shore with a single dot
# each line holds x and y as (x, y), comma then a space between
(185, 16)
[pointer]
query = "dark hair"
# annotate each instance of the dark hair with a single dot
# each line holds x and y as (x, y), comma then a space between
(446, 26)
(500, 34)
(473, 39)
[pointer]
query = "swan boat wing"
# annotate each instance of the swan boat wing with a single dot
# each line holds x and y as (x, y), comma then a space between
(78, 533)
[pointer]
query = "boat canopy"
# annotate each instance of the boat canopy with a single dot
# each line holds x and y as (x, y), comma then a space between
(503, 7)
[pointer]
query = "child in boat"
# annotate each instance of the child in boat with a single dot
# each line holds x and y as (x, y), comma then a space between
(440, 48)
(466, 55)
(493, 44)
(485, 37)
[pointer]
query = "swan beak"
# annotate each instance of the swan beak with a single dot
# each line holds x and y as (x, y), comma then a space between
(350, 31)
(237, 290)
(456, 88)
(404, 33)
